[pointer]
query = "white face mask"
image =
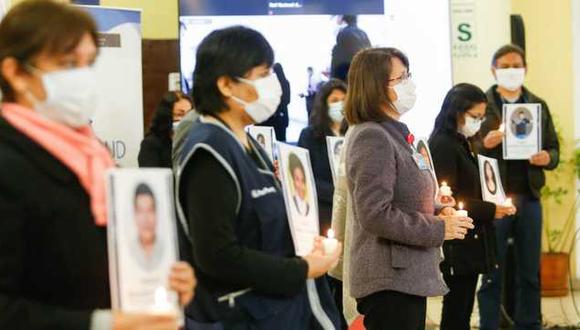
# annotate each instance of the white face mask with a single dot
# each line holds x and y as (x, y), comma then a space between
(335, 111)
(511, 79)
(71, 96)
(269, 92)
(471, 127)
(406, 96)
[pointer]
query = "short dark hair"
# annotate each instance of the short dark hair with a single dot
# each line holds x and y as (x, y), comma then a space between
(320, 119)
(507, 49)
(349, 19)
(41, 26)
(458, 101)
(368, 78)
(230, 52)
(144, 189)
(295, 163)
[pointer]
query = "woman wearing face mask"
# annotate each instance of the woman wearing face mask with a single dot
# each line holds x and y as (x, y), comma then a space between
(460, 119)
(325, 120)
(155, 148)
(54, 272)
(231, 202)
(396, 236)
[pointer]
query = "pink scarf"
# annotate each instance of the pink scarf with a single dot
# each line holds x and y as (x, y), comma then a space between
(77, 149)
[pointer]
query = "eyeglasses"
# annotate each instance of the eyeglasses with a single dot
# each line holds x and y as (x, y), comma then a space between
(403, 78)
(482, 119)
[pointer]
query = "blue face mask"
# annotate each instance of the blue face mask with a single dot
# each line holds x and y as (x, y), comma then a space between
(471, 127)
(335, 111)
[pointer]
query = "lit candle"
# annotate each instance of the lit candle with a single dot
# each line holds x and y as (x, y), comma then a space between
(162, 304)
(445, 189)
(508, 202)
(330, 243)
(461, 212)
(502, 128)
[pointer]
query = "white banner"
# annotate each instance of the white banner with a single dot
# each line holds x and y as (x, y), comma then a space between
(119, 119)
(4, 5)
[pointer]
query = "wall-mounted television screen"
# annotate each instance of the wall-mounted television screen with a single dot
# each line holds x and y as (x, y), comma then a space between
(306, 38)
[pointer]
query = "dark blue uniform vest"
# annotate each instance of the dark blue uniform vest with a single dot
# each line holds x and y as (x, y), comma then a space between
(261, 224)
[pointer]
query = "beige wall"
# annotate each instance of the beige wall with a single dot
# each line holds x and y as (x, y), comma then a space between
(159, 17)
(550, 75)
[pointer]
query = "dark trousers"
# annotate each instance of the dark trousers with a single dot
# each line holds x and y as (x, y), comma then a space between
(458, 303)
(527, 229)
(280, 133)
(393, 310)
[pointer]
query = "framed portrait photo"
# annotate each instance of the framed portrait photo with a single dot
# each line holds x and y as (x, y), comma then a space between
(523, 130)
(422, 147)
(300, 197)
(142, 240)
(266, 138)
(491, 186)
(334, 146)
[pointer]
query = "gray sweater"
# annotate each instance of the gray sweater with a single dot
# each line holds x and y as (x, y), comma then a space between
(396, 238)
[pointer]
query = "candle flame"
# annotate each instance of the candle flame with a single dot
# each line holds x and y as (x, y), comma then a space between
(508, 201)
(461, 205)
(444, 184)
(330, 233)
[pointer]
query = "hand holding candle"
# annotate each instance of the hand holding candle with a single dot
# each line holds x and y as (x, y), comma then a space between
(508, 202)
(445, 195)
(457, 225)
(507, 208)
(445, 190)
(502, 128)
(324, 256)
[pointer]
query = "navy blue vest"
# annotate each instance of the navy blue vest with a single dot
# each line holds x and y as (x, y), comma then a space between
(260, 204)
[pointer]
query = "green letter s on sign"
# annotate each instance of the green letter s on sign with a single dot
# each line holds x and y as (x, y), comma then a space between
(464, 32)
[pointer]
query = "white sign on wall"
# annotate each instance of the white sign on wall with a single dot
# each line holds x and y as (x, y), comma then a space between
(464, 28)
(119, 118)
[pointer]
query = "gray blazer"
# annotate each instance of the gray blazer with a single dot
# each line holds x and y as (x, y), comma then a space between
(396, 238)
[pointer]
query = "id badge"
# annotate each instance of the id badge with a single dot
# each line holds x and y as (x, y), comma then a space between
(420, 161)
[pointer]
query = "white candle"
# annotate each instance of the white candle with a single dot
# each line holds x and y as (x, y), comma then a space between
(461, 212)
(330, 243)
(162, 304)
(445, 189)
(508, 202)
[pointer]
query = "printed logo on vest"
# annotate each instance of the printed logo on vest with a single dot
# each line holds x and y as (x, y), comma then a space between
(257, 193)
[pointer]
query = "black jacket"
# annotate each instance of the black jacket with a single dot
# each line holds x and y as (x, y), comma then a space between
(349, 41)
(322, 174)
(494, 114)
(455, 163)
(280, 119)
(53, 258)
(155, 152)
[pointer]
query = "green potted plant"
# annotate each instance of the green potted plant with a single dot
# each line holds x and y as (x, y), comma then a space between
(560, 238)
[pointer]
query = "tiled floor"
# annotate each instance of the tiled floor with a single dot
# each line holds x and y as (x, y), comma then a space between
(556, 312)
